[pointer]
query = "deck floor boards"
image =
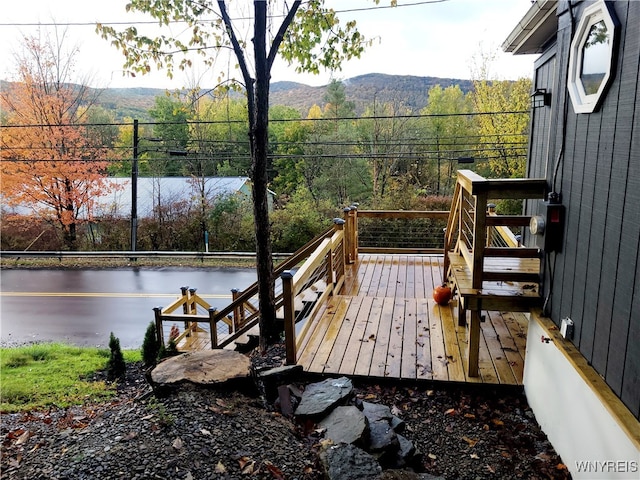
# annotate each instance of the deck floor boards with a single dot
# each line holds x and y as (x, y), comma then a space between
(388, 326)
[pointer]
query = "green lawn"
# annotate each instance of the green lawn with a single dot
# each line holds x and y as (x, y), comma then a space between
(53, 374)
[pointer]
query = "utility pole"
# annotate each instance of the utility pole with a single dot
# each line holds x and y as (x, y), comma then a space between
(134, 189)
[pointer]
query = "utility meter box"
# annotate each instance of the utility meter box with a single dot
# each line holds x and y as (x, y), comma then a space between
(548, 226)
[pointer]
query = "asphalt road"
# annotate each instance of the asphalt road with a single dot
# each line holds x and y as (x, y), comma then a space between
(83, 307)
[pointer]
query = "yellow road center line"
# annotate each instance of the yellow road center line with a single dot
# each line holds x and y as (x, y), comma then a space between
(104, 294)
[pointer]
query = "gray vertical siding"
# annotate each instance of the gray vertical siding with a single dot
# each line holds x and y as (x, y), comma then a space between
(596, 277)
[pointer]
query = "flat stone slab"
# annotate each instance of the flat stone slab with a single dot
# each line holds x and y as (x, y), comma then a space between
(205, 367)
(345, 425)
(319, 398)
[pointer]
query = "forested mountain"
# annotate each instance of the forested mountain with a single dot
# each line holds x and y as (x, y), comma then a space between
(363, 91)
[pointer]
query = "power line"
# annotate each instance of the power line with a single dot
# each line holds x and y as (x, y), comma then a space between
(284, 120)
(204, 20)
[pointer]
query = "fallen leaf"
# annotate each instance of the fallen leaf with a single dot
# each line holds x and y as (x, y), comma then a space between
(561, 466)
(220, 468)
(451, 411)
(432, 456)
(470, 441)
(396, 411)
(22, 439)
(497, 422)
(274, 471)
(490, 468)
(469, 415)
(243, 461)
(474, 455)
(248, 468)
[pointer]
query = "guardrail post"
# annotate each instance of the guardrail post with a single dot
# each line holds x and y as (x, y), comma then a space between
(289, 316)
(213, 329)
(159, 332)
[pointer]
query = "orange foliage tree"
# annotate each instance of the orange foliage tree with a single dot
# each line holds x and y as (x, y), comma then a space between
(51, 163)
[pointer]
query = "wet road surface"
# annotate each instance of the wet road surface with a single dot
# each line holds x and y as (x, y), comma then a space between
(82, 307)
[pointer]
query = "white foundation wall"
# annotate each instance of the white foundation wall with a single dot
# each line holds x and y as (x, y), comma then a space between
(583, 432)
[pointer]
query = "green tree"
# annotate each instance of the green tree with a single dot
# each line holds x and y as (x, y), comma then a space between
(172, 133)
(447, 130)
(503, 135)
(116, 366)
(309, 35)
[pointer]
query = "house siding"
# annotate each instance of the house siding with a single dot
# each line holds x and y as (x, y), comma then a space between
(596, 276)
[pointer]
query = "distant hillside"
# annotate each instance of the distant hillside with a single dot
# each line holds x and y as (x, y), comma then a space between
(405, 90)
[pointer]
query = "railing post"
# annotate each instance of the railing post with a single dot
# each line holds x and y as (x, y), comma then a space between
(213, 329)
(338, 225)
(479, 239)
(347, 235)
(354, 243)
(289, 316)
(238, 311)
(193, 306)
(185, 309)
(157, 311)
(491, 210)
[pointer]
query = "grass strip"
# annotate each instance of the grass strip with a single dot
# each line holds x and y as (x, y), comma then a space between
(44, 375)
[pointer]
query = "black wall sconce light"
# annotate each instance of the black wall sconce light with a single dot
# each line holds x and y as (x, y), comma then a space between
(541, 98)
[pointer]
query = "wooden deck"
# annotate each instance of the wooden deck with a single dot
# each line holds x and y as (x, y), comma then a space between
(385, 324)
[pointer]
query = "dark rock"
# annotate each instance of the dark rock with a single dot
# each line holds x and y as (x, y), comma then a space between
(406, 451)
(345, 425)
(376, 412)
(273, 378)
(397, 424)
(382, 438)
(319, 398)
(348, 462)
(284, 397)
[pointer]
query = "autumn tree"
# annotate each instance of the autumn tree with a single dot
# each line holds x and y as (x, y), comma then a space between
(309, 35)
(52, 160)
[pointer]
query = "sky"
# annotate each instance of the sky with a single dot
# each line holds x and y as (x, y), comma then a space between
(440, 39)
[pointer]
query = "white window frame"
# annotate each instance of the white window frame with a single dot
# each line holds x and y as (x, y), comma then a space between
(582, 102)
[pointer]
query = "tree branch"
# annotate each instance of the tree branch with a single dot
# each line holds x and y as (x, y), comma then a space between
(275, 45)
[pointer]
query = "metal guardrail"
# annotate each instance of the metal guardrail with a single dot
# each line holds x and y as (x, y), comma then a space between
(133, 254)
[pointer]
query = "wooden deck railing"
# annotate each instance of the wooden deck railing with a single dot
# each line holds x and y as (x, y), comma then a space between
(319, 276)
(472, 257)
(241, 315)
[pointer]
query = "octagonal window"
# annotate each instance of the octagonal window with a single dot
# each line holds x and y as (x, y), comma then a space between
(592, 57)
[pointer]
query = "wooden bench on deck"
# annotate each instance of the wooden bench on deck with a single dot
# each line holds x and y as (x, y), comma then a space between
(505, 277)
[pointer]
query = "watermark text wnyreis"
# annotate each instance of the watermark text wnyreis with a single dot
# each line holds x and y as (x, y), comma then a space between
(607, 466)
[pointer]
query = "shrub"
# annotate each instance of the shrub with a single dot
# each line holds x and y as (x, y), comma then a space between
(116, 366)
(150, 347)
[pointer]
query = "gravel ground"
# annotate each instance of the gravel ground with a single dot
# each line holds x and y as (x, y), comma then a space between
(197, 433)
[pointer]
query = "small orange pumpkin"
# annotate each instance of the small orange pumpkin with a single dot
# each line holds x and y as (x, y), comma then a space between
(442, 294)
